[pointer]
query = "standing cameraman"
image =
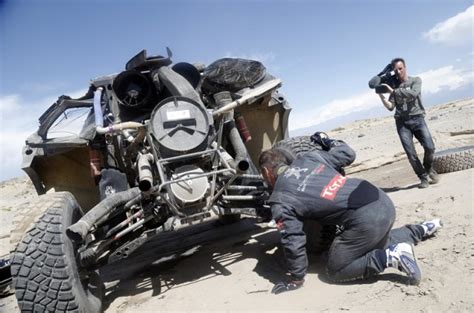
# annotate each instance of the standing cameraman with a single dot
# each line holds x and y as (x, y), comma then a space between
(410, 121)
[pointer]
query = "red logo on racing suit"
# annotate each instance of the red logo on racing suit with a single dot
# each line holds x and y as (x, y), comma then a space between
(319, 169)
(329, 191)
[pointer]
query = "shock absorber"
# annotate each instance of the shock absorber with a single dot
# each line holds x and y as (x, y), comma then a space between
(242, 127)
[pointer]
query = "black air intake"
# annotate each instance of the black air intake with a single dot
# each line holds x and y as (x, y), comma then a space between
(133, 89)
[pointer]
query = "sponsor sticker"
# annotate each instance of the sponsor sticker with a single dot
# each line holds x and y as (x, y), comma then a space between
(295, 171)
(329, 191)
(178, 115)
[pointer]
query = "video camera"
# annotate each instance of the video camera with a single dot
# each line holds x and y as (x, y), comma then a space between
(386, 76)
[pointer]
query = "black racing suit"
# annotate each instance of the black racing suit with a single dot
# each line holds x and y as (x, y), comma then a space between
(312, 188)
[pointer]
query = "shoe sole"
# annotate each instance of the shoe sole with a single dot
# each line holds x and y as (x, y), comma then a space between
(411, 268)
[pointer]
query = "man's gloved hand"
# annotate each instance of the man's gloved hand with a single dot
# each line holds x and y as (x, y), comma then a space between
(287, 286)
(322, 139)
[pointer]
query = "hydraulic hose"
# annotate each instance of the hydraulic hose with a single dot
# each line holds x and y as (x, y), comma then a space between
(99, 118)
(223, 99)
(239, 148)
(118, 127)
(78, 232)
(144, 171)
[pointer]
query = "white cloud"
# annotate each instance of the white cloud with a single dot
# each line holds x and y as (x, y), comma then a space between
(335, 108)
(9, 103)
(455, 30)
(18, 120)
(16, 124)
(445, 77)
(434, 81)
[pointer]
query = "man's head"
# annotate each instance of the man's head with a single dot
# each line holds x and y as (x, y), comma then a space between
(271, 160)
(400, 69)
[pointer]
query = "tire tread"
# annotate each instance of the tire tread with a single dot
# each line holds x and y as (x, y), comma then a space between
(453, 160)
(42, 276)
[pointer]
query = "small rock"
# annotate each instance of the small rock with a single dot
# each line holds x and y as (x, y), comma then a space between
(361, 135)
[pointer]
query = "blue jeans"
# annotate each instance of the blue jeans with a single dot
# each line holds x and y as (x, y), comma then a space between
(416, 126)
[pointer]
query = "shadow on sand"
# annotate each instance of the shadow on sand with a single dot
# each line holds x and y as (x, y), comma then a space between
(163, 264)
(394, 189)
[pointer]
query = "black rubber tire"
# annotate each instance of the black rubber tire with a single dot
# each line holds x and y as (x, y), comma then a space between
(297, 145)
(44, 269)
(453, 160)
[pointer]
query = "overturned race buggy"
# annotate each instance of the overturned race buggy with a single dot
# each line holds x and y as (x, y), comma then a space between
(152, 149)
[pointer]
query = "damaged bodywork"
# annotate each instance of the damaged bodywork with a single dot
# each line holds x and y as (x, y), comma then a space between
(153, 148)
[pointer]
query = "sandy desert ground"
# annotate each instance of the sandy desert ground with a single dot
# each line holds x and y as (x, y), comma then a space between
(233, 268)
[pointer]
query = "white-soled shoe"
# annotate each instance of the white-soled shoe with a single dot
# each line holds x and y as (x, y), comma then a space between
(431, 227)
(402, 257)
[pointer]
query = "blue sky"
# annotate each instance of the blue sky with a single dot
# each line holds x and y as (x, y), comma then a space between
(324, 51)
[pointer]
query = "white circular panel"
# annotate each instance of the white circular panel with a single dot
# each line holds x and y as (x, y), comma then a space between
(191, 189)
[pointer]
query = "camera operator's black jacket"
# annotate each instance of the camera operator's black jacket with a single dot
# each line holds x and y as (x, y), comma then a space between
(312, 188)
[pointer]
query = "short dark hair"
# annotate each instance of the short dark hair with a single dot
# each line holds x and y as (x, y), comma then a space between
(274, 158)
(396, 60)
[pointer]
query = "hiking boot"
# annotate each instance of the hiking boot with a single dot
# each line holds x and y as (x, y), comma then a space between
(402, 257)
(431, 227)
(434, 177)
(424, 183)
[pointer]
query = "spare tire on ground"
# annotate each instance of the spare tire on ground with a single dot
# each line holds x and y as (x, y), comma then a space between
(452, 160)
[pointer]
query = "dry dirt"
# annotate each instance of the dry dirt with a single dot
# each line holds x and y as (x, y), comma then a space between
(233, 268)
